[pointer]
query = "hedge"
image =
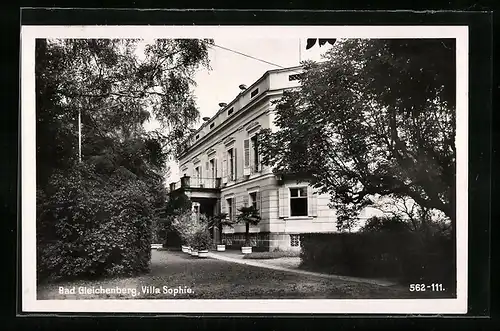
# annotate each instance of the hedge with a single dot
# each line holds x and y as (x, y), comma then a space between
(90, 227)
(404, 256)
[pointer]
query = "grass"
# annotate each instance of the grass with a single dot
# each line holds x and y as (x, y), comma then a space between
(271, 255)
(215, 279)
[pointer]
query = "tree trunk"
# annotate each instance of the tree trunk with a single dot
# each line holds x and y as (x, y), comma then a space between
(220, 231)
(247, 234)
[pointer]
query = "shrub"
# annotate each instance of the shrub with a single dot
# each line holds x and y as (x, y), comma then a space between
(406, 256)
(88, 226)
(384, 223)
(187, 225)
(201, 240)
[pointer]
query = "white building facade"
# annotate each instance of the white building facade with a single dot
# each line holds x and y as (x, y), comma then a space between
(221, 170)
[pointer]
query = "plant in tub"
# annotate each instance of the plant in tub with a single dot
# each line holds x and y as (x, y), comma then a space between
(249, 215)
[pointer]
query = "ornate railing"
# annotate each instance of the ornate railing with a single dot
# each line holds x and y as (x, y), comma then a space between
(196, 182)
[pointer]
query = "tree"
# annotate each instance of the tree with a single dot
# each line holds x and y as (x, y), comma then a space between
(415, 217)
(116, 91)
(376, 118)
(249, 216)
(188, 225)
(385, 223)
(218, 221)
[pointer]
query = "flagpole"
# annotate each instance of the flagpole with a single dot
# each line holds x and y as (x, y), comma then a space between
(300, 51)
(79, 135)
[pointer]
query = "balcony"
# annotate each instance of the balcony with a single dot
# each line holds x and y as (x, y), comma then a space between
(198, 186)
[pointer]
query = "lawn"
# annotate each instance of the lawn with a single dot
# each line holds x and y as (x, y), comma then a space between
(214, 279)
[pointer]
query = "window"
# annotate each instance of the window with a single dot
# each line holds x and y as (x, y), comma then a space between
(294, 77)
(212, 125)
(230, 111)
(230, 208)
(197, 136)
(298, 201)
(231, 169)
(253, 199)
(197, 175)
(255, 153)
(294, 240)
(254, 93)
(212, 168)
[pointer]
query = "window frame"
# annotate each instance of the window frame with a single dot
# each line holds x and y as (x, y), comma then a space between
(230, 211)
(251, 200)
(255, 157)
(197, 175)
(290, 197)
(212, 169)
(254, 93)
(230, 165)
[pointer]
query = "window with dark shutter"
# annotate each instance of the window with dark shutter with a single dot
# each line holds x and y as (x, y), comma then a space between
(255, 154)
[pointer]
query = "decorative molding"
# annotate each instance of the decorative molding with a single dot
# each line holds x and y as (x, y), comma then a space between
(229, 196)
(196, 160)
(229, 141)
(252, 126)
(211, 151)
(253, 189)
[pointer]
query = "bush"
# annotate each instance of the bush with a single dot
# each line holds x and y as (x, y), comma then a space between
(187, 225)
(201, 240)
(405, 256)
(384, 223)
(88, 226)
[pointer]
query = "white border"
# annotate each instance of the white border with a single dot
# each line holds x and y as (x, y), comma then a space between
(389, 306)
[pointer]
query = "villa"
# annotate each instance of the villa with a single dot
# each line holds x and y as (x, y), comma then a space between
(221, 170)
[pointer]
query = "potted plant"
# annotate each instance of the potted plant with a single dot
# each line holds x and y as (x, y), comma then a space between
(182, 223)
(219, 221)
(194, 252)
(201, 242)
(250, 216)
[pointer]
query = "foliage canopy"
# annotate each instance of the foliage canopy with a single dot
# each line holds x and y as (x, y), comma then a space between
(377, 117)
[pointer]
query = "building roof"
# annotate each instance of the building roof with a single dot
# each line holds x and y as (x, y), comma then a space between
(229, 104)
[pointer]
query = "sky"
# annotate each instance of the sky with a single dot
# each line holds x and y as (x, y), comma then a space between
(229, 70)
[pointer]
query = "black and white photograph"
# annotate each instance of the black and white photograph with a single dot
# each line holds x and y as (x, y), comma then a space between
(244, 169)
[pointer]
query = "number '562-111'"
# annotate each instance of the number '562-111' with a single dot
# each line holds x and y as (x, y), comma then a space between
(434, 287)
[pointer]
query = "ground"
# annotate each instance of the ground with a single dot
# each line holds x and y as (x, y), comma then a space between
(217, 279)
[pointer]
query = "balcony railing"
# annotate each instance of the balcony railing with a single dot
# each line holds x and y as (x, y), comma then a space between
(203, 182)
(196, 182)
